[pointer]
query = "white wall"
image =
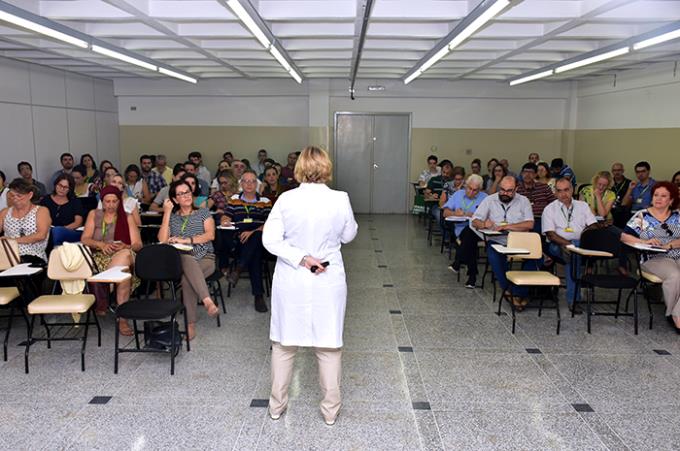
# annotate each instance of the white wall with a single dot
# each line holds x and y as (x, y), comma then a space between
(45, 112)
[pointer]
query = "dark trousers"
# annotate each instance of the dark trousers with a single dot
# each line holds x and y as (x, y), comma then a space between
(468, 252)
(250, 259)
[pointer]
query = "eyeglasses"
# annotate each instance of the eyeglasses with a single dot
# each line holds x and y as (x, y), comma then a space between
(63, 186)
(506, 191)
(248, 181)
(182, 193)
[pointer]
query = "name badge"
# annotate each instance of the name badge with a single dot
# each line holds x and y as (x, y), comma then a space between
(248, 220)
(638, 201)
(503, 223)
(568, 230)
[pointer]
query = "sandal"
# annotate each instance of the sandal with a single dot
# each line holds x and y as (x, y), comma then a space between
(517, 303)
(125, 329)
(211, 307)
(191, 331)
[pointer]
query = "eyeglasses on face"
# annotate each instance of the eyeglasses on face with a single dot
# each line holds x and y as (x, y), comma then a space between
(248, 181)
(63, 186)
(506, 191)
(182, 193)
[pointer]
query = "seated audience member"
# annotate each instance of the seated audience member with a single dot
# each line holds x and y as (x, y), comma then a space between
(81, 187)
(201, 171)
(450, 187)
(158, 201)
(620, 213)
(249, 211)
(543, 175)
(130, 204)
(659, 225)
(108, 174)
(26, 223)
(435, 187)
(499, 172)
(464, 203)
(98, 183)
(114, 239)
(489, 176)
(288, 172)
(65, 210)
(200, 201)
(135, 186)
(3, 191)
(183, 223)
(161, 168)
(228, 187)
(261, 158)
(26, 172)
(247, 163)
(676, 179)
(476, 166)
(563, 221)
(91, 172)
(67, 163)
(506, 164)
(505, 211)
(228, 157)
(239, 167)
(433, 170)
(599, 197)
(221, 167)
(154, 181)
(539, 194)
(272, 186)
(639, 194)
(533, 158)
(560, 170)
(203, 187)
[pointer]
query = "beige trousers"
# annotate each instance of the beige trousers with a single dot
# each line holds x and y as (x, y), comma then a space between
(329, 362)
(194, 286)
(667, 270)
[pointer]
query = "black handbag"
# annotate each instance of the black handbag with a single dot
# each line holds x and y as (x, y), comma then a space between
(158, 335)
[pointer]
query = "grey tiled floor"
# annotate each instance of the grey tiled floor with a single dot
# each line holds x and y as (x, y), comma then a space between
(475, 384)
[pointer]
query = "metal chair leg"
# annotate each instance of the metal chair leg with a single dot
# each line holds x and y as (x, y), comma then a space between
(47, 331)
(82, 350)
(172, 345)
(99, 331)
(9, 328)
(134, 326)
(556, 299)
(116, 346)
(186, 328)
(589, 306)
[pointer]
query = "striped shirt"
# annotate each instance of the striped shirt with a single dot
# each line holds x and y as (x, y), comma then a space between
(248, 215)
(192, 225)
(540, 195)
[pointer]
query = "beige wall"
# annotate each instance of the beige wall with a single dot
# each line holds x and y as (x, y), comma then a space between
(598, 149)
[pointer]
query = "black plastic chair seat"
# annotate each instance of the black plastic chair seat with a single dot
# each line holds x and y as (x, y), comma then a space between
(609, 281)
(148, 309)
(215, 277)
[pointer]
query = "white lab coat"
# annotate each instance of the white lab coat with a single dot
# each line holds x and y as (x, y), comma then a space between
(308, 309)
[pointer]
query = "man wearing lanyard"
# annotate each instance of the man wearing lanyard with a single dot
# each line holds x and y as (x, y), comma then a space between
(539, 194)
(620, 213)
(505, 211)
(563, 222)
(639, 194)
(463, 203)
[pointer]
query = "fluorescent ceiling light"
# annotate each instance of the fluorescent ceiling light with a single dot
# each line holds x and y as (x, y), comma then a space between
(295, 75)
(279, 57)
(412, 77)
(657, 39)
(478, 23)
(533, 77)
(36, 27)
(592, 59)
(172, 73)
(120, 56)
(248, 21)
(436, 57)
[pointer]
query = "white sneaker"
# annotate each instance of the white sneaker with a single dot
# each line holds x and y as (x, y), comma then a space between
(277, 416)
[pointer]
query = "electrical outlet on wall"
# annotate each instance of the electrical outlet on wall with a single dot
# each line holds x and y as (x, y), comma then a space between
(133, 108)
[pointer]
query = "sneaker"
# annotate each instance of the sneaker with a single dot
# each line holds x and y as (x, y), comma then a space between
(454, 268)
(471, 283)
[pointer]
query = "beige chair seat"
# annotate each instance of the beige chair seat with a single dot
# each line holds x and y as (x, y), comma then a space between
(8, 294)
(53, 304)
(651, 277)
(538, 278)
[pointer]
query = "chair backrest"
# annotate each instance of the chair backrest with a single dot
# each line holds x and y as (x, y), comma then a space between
(606, 239)
(9, 254)
(530, 241)
(57, 271)
(158, 263)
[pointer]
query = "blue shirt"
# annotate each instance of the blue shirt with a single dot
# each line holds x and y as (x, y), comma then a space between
(460, 200)
(642, 195)
(566, 171)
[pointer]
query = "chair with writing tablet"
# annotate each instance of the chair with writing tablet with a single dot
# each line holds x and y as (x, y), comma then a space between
(10, 296)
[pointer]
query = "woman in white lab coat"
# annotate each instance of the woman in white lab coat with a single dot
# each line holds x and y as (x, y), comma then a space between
(305, 229)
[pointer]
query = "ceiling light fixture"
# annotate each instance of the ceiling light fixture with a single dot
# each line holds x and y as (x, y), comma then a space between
(478, 22)
(248, 21)
(123, 57)
(592, 59)
(42, 29)
(657, 39)
(172, 73)
(279, 57)
(533, 77)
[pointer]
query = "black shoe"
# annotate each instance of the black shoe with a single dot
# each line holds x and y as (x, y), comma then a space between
(471, 283)
(454, 268)
(576, 310)
(260, 305)
(233, 276)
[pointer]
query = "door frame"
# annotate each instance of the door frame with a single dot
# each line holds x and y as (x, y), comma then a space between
(407, 176)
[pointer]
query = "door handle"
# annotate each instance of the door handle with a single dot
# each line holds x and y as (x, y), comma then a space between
(375, 166)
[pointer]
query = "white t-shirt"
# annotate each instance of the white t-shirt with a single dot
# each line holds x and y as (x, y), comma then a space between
(558, 218)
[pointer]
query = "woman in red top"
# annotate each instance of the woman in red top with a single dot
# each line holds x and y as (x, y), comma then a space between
(272, 187)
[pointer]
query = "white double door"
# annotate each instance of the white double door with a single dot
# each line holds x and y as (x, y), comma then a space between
(371, 160)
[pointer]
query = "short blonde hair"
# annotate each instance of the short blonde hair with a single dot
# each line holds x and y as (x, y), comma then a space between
(475, 179)
(602, 175)
(313, 166)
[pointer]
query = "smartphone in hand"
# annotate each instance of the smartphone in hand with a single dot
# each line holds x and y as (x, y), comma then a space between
(315, 268)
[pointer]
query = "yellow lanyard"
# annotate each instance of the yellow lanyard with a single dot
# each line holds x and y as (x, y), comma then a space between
(568, 218)
(185, 221)
(104, 226)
